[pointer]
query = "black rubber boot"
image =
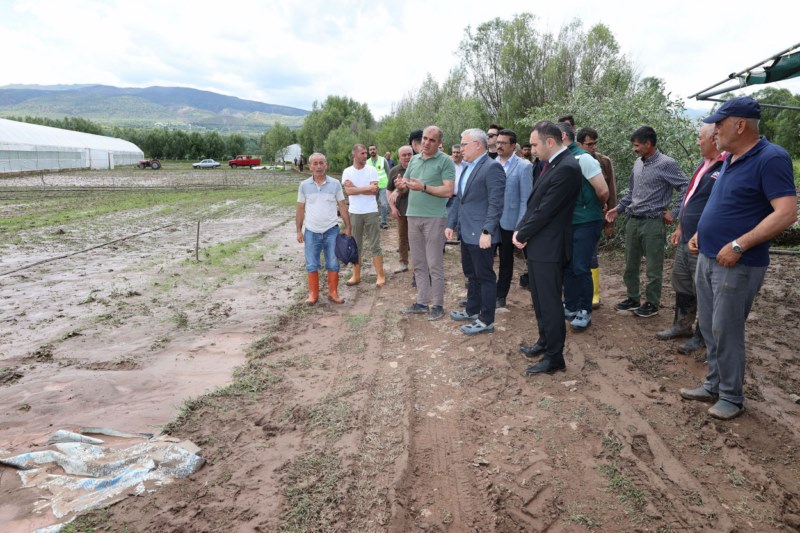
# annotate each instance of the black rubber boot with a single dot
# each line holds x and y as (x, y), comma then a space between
(695, 343)
(685, 312)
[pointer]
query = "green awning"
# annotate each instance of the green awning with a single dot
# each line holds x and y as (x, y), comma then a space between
(782, 66)
(776, 69)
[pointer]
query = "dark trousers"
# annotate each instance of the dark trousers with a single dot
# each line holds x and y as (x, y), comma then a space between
(478, 264)
(578, 285)
(506, 270)
(546, 280)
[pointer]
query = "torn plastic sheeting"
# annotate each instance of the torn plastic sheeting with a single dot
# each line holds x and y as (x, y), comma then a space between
(62, 435)
(115, 433)
(96, 475)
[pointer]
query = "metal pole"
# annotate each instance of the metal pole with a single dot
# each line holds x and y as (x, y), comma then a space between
(737, 74)
(197, 244)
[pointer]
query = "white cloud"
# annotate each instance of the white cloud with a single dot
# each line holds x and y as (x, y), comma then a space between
(375, 52)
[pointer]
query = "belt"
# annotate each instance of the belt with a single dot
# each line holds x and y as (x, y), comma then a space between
(644, 217)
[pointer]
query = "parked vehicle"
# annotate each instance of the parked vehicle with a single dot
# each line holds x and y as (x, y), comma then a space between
(206, 163)
(155, 164)
(244, 161)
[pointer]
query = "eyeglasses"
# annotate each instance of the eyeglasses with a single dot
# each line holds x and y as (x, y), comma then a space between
(492, 135)
(593, 143)
(502, 143)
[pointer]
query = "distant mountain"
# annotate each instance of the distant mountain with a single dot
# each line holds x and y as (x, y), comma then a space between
(178, 107)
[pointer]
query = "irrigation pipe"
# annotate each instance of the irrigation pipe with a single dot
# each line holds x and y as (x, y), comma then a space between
(43, 261)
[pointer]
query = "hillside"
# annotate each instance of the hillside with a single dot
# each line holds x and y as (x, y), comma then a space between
(149, 106)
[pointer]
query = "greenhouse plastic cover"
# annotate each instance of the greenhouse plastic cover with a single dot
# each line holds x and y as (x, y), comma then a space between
(21, 135)
(73, 475)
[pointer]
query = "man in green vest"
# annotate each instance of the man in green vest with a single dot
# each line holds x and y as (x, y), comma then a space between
(382, 167)
(587, 224)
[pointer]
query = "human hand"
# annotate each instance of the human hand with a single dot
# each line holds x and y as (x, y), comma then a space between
(485, 242)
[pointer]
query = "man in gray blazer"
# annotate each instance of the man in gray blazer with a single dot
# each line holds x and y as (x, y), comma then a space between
(476, 209)
(519, 182)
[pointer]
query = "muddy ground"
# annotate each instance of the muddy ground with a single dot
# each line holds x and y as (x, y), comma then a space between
(359, 418)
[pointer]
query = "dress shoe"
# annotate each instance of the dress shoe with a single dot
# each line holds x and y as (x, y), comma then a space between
(533, 350)
(500, 303)
(547, 366)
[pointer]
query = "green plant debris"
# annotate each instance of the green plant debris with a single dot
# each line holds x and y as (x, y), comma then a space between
(625, 489)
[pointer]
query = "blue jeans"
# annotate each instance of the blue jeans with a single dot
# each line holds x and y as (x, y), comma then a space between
(724, 298)
(383, 204)
(316, 243)
(578, 285)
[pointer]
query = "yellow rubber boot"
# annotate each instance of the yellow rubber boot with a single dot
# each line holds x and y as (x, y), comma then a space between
(377, 262)
(355, 279)
(313, 288)
(596, 283)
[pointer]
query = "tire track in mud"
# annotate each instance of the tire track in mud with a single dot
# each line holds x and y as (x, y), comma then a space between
(439, 489)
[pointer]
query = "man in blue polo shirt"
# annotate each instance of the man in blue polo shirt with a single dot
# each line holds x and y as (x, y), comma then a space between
(753, 200)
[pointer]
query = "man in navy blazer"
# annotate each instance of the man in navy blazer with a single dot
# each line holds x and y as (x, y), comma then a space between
(546, 230)
(519, 181)
(476, 209)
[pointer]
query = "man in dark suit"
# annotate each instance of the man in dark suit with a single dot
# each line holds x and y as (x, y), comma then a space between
(546, 229)
(476, 209)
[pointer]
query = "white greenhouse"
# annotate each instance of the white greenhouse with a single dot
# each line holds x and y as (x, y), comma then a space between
(30, 147)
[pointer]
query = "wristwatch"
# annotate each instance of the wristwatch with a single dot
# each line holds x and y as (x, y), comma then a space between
(424, 187)
(737, 247)
(485, 232)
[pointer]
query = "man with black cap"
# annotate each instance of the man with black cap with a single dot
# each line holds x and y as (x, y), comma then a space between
(753, 200)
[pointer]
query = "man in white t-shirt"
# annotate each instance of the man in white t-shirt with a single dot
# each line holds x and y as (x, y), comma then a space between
(360, 182)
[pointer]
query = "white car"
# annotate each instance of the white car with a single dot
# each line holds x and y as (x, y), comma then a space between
(206, 163)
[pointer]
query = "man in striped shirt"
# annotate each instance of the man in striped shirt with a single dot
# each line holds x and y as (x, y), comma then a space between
(646, 203)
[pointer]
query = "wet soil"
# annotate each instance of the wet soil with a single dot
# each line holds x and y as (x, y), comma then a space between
(365, 419)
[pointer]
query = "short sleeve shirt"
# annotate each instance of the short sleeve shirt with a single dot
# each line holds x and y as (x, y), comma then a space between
(741, 199)
(433, 171)
(322, 202)
(361, 204)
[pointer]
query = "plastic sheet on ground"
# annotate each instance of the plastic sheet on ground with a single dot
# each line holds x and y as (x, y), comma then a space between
(72, 477)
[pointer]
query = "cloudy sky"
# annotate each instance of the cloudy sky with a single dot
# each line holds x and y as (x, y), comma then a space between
(293, 53)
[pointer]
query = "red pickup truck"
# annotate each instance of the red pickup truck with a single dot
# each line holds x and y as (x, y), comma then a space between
(244, 161)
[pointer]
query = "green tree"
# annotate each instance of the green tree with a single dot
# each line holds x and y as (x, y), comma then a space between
(514, 67)
(781, 126)
(275, 142)
(448, 106)
(335, 112)
(338, 147)
(236, 144)
(215, 145)
(615, 117)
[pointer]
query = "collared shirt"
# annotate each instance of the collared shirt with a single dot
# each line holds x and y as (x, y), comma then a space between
(651, 184)
(741, 199)
(321, 203)
(462, 182)
(434, 170)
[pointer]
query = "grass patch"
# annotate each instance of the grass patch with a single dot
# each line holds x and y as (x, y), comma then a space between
(577, 517)
(625, 489)
(43, 211)
(736, 478)
(611, 444)
(180, 319)
(312, 488)
(89, 522)
(357, 322)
